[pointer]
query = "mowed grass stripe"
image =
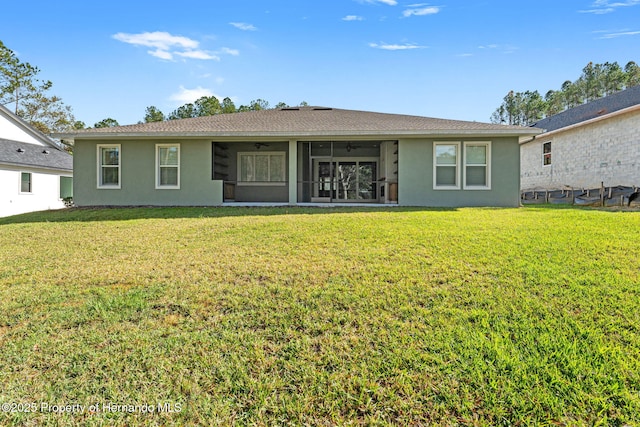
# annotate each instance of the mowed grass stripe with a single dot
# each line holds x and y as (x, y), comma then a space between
(323, 316)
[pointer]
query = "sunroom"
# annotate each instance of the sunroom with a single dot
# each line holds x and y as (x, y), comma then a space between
(324, 172)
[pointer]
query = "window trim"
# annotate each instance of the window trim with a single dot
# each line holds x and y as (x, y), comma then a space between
(30, 183)
(159, 186)
(282, 154)
(487, 144)
(457, 144)
(545, 155)
(100, 185)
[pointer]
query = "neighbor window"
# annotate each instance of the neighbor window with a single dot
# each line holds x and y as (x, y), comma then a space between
(109, 166)
(266, 168)
(446, 158)
(546, 154)
(477, 157)
(25, 182)
(168, 166)
(66, 187)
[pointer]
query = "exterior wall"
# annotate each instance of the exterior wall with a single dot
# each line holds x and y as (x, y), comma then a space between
(45, 191)
(138, 165)
(415, 176)
(9, 130)
(604, 151)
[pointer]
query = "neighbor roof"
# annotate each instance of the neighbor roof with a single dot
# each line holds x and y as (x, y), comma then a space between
(26, 127)
(23, 154)
(591, 110)
(301, 122)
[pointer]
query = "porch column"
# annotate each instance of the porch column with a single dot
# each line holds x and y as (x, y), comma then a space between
(293, 172)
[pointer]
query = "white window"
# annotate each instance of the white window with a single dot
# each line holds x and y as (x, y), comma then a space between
(262, 168)
(446, 165)
(167, 166)
(546, 153)
(26, 182)
(109, 166)
(477, 165)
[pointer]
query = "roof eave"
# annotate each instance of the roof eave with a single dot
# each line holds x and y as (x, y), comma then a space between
(438, 133)
(31, 166)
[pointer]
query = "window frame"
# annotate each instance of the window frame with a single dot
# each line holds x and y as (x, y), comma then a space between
(60, 178)
(282, 154)
(457, 144)
(100, 185)
(160, 186)
(20, 190)
(487, 165)
(547, 155)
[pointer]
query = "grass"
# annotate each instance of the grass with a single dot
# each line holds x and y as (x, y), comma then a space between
(288, 316)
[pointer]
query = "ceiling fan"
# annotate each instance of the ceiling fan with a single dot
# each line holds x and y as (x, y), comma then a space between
(351, 147)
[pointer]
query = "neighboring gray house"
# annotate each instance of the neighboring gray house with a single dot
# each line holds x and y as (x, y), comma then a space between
(299, 155)
(35, 174)
(594, 143)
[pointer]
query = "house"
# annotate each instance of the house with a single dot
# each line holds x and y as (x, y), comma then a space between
(594, 143)
(299, 155)
(35, 174)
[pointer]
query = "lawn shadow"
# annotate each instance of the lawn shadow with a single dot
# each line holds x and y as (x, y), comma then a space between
(98, 214)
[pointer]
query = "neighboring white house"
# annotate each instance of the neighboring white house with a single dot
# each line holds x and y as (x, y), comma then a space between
(35, 174)
(594, 143)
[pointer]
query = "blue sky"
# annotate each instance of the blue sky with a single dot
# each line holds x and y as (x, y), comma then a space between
(452, 58)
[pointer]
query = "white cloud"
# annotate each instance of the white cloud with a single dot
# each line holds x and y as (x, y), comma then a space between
(419, 10)
(353, 18)
(506, 48)
(184, 95)
(232, 52)
(159, 39)
(620, 34)
(197, 54)
(601, 7)
(388, 2)
(162, 54)
(385, 46)
(243, 26)
(166, 45)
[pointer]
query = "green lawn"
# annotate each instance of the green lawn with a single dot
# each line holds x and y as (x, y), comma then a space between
(291, 316)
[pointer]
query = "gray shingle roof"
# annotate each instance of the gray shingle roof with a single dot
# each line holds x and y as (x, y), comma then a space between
(600, 107)
(22, 154)
(302, 121)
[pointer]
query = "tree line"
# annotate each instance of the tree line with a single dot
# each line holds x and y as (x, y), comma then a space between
(203, 106)
(596, 81)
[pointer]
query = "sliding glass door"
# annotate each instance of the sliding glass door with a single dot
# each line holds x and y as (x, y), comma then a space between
(345, 180)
